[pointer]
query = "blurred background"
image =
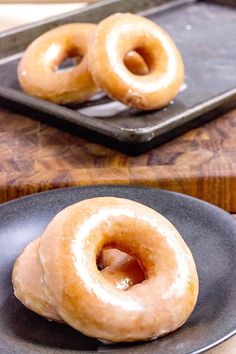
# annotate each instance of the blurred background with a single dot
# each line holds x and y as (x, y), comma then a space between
(18, 12)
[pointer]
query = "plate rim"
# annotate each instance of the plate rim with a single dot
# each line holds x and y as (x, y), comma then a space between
(122, 186)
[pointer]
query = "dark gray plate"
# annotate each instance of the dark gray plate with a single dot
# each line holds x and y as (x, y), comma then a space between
(205, 34)
(209, 231)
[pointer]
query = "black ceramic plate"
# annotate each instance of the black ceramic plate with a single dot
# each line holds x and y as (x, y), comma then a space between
(209, 231)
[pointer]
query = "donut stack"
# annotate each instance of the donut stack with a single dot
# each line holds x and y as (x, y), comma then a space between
(130, 58)
(112, 269)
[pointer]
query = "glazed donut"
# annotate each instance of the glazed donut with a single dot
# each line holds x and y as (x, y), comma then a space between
(119, 34)
(27, 282)
(122, 270)
(89, 302)
(37, 71)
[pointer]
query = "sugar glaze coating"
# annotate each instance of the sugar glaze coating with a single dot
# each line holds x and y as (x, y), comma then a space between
(120, 269)
(119, 34)
(37, 71)
(89, 302)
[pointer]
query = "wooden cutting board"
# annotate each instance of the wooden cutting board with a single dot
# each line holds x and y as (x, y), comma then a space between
(37, 157)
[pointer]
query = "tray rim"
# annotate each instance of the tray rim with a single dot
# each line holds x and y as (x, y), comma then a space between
(129, 135)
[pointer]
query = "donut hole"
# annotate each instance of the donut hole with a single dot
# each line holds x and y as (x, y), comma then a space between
(136, 63)
(146, 59)
(69, 62)
(120, 268)
(69, 59)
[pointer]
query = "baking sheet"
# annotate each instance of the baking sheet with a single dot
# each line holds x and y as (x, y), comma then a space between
(203, 31)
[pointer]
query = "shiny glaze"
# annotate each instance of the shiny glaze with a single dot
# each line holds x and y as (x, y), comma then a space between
(119, 34)
(37, 71)
(119, 268)
(27, 282)
(89, 302)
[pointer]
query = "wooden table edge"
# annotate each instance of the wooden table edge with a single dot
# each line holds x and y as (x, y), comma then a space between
(219, 190)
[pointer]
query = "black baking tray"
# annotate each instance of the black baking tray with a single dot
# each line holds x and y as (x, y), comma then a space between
(205, 33)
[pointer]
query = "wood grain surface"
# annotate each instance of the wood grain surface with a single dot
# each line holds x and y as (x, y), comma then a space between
(37, 157)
